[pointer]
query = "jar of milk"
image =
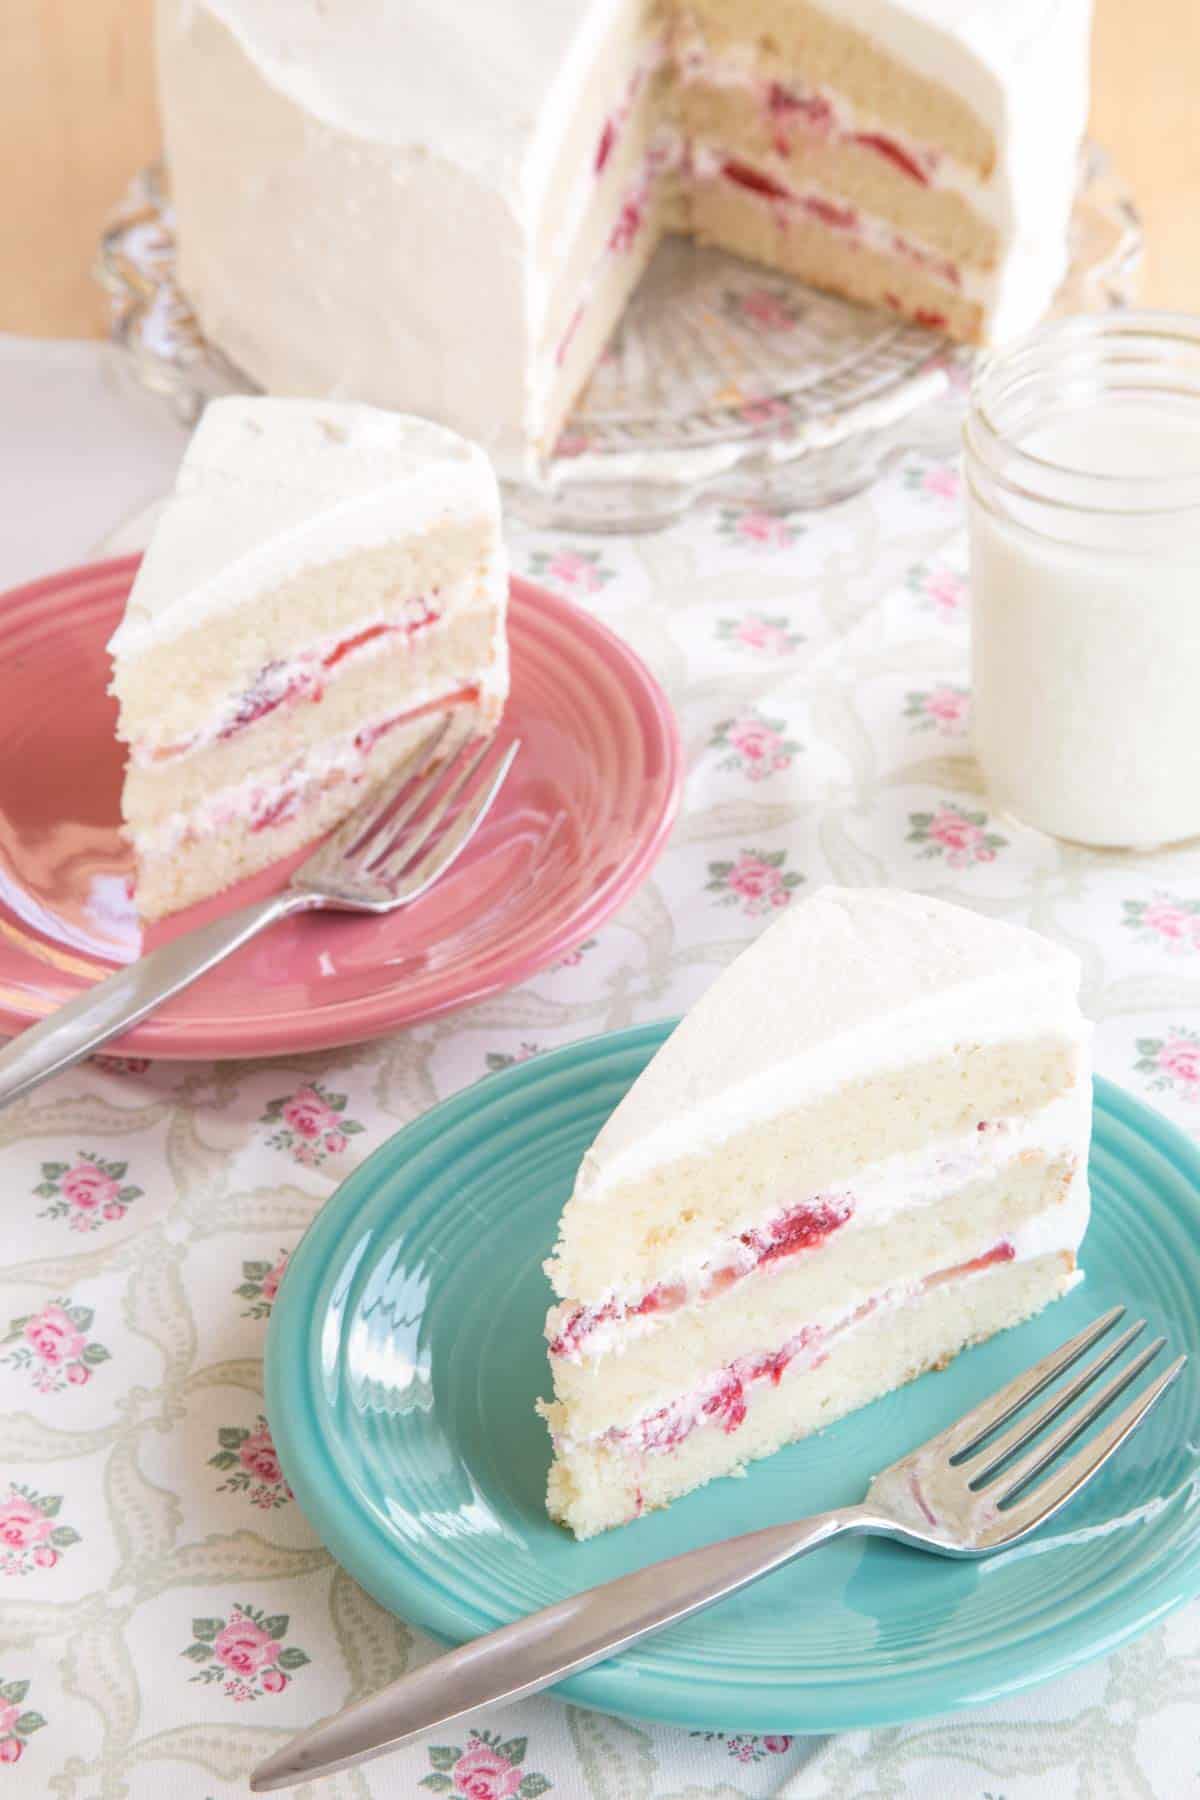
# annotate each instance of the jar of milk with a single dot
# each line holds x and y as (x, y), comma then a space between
(1082, 461)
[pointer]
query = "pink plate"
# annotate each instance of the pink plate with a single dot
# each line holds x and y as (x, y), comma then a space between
(580, 821)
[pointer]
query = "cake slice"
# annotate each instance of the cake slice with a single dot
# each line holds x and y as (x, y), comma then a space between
(864, 1149)
(323, 578)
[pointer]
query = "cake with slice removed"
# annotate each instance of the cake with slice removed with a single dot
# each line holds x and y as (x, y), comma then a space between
(323, 578)
(864, 1149)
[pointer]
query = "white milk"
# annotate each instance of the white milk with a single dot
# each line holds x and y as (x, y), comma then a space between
(1085, 600)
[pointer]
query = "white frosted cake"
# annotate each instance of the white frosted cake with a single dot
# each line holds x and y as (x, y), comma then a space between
(444, 207)
(323, 578)
(864, 1149)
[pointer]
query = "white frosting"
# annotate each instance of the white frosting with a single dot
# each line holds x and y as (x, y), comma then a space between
(367, 192)
(842, 985)
(898, 1184)
(270, 488)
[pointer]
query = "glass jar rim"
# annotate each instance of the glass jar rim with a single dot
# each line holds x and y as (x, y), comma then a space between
(1093, 355)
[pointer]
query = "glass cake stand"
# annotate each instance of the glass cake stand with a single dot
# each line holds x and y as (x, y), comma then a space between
(724, 380)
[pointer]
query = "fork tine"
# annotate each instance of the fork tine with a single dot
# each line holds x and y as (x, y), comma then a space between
(453, 842)
(376, 807)
(1050, 1495)
(967, 1433)
(400, 851)
(1044, 1453)
(1000, 1449)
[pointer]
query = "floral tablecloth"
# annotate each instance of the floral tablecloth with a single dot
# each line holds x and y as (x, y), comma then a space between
(166, 1615)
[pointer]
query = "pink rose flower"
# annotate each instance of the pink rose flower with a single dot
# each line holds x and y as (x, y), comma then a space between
(752, 878)
(45, 1556)
(943, 481)
(777, 1745)
(1180, 1059)
(756, 634)
(307, 1114)
(11, 1750)
(258, 1454)
(767, 310)
(335, 1142)
(958, 836)
(271, 1281)
(245, 1647)
(947, 592)
(88, 1187)
(53, 1336)
(763, 528)
(947, 705)
(273, 1681)
(21, 1524)
(114, 1210)
(1169, 920)
(764, 412)
(482, 1775)
(760, 746)
(575, 570)
(78, 1373)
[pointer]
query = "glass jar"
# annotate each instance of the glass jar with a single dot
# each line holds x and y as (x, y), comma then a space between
(1082, 460)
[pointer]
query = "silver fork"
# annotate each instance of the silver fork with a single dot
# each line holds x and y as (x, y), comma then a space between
(373, 863)
(961, 1494)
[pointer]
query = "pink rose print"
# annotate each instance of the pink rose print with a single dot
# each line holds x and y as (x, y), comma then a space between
(260, 1284)
(757, 882)
(17, 1721)
(485, 1768)
(504, 1059)
(942, 709)
(121, 1065)
(744, 1746)
(245, 1653)
(30, 1537)
(936, 481)
(941, 591)
(962, 838)
(768, 310)
(52, 1346)
(579, 571)
(250, 1461)
(1172, 1063)
(765, 636)
(757, 747)
(573, 958)
(311, 1124)
(765, 412)
(86, 1193)
(1169, 924)
(759, 526)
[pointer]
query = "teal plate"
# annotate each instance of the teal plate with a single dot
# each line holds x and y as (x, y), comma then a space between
(405, 1354)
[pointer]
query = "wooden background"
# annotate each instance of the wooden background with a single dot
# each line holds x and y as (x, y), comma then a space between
(77, 118)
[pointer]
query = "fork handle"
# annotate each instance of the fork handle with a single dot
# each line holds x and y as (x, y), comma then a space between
(547, 1646)
(113, 1005)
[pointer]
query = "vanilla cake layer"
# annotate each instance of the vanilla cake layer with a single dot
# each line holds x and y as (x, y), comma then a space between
(627, 1234)
(649, 1362)
(595, 1484)
(834, 247)
(445, 657)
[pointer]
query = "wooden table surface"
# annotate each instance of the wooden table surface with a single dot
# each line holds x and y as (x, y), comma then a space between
(77, 118)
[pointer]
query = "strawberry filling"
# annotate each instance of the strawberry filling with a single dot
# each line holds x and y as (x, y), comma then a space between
(724, 1401)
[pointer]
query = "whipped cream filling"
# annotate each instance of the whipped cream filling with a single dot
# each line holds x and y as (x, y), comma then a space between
(766, 1242)
(305, 676)
(862, 229)
(276, 798)
(721, 1398)
(797, 111)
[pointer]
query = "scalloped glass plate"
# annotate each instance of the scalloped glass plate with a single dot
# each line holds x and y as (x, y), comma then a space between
(405, 1354)
(723, 381)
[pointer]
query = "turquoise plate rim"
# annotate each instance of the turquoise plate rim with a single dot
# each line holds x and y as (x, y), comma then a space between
(376, 1561)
